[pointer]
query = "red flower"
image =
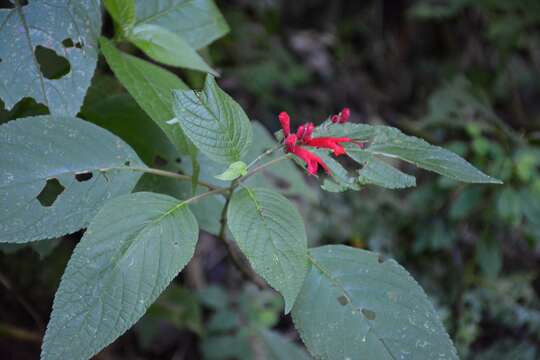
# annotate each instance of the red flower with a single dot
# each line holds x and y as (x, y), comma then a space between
(342, 117)
(285, 123)
(293, 142)
(312, 161)
(329, 143)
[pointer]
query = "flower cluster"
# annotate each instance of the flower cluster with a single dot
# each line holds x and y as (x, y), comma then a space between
(295, 142)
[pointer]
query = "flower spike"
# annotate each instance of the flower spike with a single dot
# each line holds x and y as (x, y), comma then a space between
(285, 121)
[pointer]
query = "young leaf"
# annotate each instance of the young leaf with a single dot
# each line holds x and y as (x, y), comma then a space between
(70, 30)
(235, 170)
(131, 251)
(167, 47)
(123, 12)
(390, 142)
(270, 232)
(374, 307)
(214, 122)
(53, 178)
(199, 22)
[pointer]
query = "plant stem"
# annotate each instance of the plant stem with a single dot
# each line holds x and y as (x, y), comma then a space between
(266, 153)
(160, 172)
(20, 334)
(233, 251)
(260, 168)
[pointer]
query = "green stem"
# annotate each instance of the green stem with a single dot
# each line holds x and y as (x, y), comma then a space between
(160, 172)
(266, 153)
(260, 168)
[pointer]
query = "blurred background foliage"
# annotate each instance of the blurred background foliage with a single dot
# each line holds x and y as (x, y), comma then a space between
(463, 74)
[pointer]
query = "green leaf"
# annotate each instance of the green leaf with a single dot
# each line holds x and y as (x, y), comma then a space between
(279, 348)
(131, 251)
(123, 12)
(374, 307)
(53, 178)
(235, 170)
(199, 22)
(214, 122)
(340, 180)
(377, 172)
(151, 87)
(70, 30)
(270, 232)
(167, 47)
(390, 142)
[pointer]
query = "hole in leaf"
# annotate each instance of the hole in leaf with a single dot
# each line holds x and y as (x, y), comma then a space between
(52, 65)
(83, 176)
(127, 163)
(343, 300)
(50, 192)
(368, 314)
(178, 160)
(159, 161)
(68, 43)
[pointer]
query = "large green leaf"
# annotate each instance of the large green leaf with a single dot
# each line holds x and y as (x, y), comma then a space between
(390, 142)
(43, 152)
(131, 251)
(214, 122)
(166, 47)
(354, 305)
(151, 86)
(199, 22)
(70, 29)
(270, 232)
(123, 13)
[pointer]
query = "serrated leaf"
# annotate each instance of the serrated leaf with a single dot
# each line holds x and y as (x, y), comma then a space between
(167, 47)
(151, 87)
(39, 152)
(123, 12)
(390, 142)
(377, 172)
(374, 307)
(234, 171)
(214, 122)
(199, 22)
(70, 29)
(270, 232)
(131, 251)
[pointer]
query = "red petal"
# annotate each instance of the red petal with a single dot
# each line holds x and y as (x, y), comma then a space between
(344, 115)
(312, 161)
(285, 121)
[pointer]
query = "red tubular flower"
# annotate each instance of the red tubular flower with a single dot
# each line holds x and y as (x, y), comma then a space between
(285, 121)
(294, 142)
(342, 117)
(304, 131)
(345, 114)
(331, 143)
(312, 161)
